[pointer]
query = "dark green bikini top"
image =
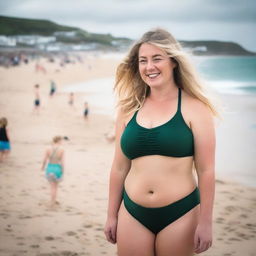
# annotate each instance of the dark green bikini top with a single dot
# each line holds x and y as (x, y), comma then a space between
(173, 138)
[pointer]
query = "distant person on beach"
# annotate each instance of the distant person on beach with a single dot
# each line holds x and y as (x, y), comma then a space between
(71, 99)
(52, 88)
(5, 147)
(40, 68)
(162, 183)
(37, 98)
(54, 158)
(86, 110)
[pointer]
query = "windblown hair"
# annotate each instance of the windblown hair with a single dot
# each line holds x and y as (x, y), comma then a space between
(3, 122)
(132, 90)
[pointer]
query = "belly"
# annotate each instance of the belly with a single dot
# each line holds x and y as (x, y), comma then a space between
(156, 181)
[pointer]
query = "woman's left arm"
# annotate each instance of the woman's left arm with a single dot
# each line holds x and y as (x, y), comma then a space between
(203, 129)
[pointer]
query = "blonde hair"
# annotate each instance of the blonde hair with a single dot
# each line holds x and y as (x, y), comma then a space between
(132, 90)
(3, 122)
(57, 139)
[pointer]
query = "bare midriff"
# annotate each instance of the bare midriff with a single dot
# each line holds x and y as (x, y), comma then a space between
(156, 181)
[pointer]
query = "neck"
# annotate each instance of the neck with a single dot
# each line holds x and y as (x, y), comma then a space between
(163, 94)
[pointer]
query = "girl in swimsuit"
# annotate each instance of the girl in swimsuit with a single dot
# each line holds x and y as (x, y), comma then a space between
(54, 158)
(161, 190)
(5, 146)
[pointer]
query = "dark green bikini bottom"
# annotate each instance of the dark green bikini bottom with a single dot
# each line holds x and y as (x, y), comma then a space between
(156, 219)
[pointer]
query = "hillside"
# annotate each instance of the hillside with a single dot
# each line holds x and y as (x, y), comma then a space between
(66, 35)
(215, 48)
(10, 26)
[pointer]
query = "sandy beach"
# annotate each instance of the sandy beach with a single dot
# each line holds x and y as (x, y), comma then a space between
(29, 227)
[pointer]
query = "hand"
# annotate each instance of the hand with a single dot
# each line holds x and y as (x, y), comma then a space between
(110, 230)
(203, 238)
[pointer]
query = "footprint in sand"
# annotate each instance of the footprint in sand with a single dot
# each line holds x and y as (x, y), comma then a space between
(71, 233)
(25, 217)
(220, 220)
(234, 239)
(49, 238)
(230, 208)
(62, 253)
(87, 226)
(98, 229)
(243, 216)
(243, 236)
(20, 244)
(35, 246)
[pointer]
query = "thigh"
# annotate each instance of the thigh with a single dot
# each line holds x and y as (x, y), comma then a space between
(177, 239)
(133, 239)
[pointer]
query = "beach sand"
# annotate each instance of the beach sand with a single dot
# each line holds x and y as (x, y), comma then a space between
(28, 226)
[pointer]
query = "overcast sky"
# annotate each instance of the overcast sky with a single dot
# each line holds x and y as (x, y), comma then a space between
(226, 20)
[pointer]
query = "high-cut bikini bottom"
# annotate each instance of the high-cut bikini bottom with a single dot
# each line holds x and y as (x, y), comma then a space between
(156, 219)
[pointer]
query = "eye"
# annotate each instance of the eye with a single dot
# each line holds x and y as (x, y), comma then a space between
(157, 59)
(142, 61)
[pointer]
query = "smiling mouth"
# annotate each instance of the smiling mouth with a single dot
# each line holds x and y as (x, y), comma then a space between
(153, 75)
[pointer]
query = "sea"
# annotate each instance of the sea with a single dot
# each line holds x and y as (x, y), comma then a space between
(230, 77)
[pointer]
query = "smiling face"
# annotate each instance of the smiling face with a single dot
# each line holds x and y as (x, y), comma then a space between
(155, 66)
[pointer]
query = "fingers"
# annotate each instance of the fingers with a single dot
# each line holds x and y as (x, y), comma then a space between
(201, 246)
(110, 235)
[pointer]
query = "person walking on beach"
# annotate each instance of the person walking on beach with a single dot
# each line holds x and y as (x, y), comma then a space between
(71, 99)
(5, 147)
(52, 88)
(54, 158)
(37, 99)
(86, 110)
(162, 183)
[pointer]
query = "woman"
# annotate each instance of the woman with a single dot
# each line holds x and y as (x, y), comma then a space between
(55, 167)
(5, 146)
(164, 129)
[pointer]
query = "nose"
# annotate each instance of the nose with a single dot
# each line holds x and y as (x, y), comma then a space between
(150, 65)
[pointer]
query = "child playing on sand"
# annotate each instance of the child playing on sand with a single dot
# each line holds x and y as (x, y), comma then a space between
(4, 139)
(37, 99)
(54, 157)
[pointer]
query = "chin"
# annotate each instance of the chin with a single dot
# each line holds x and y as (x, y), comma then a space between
(154, 84)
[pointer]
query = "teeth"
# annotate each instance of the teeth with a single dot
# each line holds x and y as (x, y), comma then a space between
(153, 75)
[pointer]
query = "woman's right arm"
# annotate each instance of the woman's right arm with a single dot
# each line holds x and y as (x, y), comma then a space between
(119, 170)
(46, 155)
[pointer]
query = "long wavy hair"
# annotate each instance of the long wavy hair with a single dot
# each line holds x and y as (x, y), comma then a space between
(132, 90)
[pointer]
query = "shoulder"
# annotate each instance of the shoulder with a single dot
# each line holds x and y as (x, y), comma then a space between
(48, 151)
(195, 112)
(123, 118)
(194, 106)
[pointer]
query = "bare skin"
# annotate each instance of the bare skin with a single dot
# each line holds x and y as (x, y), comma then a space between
(155, 181)
(57, 159)
(5, 153)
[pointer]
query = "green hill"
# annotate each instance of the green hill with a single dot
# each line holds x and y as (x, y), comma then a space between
(216, 48)
(10, 26)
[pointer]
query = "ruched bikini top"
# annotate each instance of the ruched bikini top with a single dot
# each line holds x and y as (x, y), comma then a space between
(173, 138)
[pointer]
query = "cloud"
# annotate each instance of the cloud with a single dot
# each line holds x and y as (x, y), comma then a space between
(141, 10)
(230, 20)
